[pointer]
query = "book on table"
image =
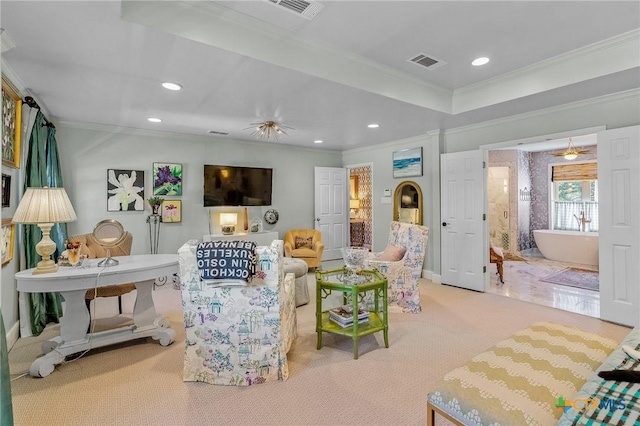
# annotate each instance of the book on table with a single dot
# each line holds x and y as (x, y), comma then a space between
(343, 315)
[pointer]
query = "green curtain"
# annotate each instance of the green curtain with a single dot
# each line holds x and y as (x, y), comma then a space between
(6, 409)
(42, 169)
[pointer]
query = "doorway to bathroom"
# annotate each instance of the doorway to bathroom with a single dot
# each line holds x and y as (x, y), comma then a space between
(520, 197)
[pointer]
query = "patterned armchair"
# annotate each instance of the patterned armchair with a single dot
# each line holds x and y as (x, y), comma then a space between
(238, 335)
(402, 274)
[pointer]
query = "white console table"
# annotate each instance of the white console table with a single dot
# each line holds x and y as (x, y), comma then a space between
(260, 238)
(73, 283)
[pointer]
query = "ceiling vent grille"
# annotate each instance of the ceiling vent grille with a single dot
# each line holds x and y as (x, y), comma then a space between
(306, 9)
(215, 132)
(427, 61)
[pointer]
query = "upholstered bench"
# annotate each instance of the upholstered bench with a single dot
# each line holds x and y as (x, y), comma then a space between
(519, 380)
(299, 269)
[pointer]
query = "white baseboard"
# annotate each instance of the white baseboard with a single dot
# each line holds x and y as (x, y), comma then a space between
(13, 334)
(435, 278)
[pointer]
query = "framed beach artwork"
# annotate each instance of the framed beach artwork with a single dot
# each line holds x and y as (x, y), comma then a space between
(407, 162)
(11, 122)
(167, 179)
(125, 190)
(171, 211)
(8, 239)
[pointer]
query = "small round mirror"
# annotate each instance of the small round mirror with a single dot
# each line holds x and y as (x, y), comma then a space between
(407, 203)
(109, 233)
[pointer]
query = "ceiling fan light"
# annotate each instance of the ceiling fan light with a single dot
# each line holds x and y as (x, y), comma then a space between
(268, 129)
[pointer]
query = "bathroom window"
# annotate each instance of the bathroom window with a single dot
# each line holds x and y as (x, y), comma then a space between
(575, 197)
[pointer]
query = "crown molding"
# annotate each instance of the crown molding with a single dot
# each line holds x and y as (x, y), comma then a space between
(605, 99)
(606, 57)
(403, 143)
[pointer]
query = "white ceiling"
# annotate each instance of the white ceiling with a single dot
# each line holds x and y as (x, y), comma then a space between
(247, 61)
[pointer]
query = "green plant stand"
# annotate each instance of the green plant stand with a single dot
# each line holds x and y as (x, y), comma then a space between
(353, 293)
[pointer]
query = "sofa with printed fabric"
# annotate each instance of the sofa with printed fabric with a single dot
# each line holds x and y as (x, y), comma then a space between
(239, 312)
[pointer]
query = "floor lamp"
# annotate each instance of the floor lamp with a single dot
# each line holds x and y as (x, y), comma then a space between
(45, 207)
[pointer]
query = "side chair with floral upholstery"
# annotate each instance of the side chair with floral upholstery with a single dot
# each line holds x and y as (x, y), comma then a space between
(401, 263)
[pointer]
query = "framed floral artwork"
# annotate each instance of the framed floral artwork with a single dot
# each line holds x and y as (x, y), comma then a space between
(171, 211)
(11, 119)
(125, 190)
(167, 179)
(8, 239)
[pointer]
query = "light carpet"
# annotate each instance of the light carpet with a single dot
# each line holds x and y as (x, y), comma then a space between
(140, 383)
(575, 277)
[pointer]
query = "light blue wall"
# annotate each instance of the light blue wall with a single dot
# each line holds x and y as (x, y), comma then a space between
(87, 152)
(381, 158)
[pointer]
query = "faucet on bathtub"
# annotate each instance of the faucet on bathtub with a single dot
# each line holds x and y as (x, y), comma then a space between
(582, 221)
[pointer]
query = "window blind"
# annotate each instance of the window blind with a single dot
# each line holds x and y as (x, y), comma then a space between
(584, 171)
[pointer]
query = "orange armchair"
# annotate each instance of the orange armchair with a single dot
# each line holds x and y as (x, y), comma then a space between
(305, 244)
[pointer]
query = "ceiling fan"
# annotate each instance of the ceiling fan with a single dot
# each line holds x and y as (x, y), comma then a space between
(571, 153)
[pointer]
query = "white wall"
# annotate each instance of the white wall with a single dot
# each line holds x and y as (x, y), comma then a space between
(86, 152)
(381, 157)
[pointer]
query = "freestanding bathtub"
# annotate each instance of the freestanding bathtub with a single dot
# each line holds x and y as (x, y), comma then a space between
(568, 246)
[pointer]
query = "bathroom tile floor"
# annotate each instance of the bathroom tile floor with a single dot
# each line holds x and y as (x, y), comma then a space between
(522, 281)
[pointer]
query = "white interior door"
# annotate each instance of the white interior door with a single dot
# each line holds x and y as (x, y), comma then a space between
(463, 245)
(619, 244)
(332, 212)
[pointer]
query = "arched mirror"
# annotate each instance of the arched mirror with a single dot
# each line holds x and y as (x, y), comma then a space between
(407, 203)
(109, 233)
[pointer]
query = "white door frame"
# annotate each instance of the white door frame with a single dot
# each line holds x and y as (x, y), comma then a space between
(515, 144)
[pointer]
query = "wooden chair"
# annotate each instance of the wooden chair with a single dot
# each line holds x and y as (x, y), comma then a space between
(496, 255)
(93, 249)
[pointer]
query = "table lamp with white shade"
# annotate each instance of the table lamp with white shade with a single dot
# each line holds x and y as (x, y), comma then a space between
(45, 207)
(228, 223)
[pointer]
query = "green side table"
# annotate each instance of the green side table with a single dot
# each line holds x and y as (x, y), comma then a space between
(353, 290)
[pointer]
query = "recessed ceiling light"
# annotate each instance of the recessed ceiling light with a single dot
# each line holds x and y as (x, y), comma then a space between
(154, 120)
(171, 86)
(480, 61)
(318, 141)
(373, 126)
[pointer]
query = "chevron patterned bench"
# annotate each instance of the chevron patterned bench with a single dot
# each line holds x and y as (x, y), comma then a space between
(520, 380)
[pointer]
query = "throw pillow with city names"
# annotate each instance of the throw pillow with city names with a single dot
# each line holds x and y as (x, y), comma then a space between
(226, 260)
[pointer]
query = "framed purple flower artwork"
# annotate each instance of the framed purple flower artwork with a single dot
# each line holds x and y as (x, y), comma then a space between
(167, 179)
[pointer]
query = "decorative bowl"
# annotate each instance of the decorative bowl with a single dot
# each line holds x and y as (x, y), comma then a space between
(354, 256)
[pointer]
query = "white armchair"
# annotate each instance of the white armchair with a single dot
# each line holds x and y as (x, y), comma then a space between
(238, 334)
(401, 263)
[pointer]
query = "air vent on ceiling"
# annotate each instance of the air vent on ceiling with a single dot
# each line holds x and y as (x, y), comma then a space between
(215, 132)
(427, 61)
(306, 9)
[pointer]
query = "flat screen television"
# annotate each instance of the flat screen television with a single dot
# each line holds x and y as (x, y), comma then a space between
(237, 186)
